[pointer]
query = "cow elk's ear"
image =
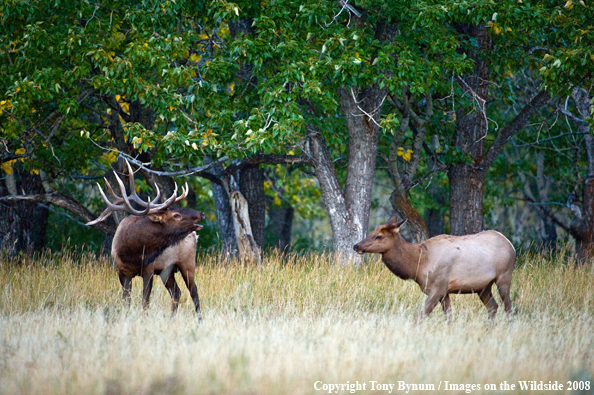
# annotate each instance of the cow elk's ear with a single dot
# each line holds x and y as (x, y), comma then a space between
(394, 227)
(400, 225)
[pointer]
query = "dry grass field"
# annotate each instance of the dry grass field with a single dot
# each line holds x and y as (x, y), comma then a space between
(286, 328)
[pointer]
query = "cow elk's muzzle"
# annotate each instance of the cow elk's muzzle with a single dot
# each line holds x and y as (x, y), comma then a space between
(358, 249)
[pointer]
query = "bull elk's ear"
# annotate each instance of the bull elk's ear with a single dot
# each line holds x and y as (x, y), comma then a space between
(156, 217)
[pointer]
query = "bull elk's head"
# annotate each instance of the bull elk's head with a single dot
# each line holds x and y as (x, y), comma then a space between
(155, 212)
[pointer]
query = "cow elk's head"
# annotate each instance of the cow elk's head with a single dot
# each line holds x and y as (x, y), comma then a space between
(382, 239)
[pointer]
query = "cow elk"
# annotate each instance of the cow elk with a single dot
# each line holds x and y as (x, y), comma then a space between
(445, 264)
(155, 240)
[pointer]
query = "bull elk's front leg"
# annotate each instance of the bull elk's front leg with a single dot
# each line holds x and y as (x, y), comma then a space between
(168, 278)
(188, 276)
(147, 287)
(126, 288)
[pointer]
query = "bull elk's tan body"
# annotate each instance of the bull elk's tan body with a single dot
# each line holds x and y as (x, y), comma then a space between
(447, 264)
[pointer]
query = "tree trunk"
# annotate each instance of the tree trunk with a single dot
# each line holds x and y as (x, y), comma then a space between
(343, 238)
(223, 207)
(467, 180)
(466, 199)
(248, 249)
(467, 176)
(278, 231)
(435, 222)
(251, 185)
(349, 211)
(22, 223)
(405, 210)
(582, 227)
(363, 133)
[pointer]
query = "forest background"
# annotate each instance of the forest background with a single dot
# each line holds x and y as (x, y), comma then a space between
(327, 117)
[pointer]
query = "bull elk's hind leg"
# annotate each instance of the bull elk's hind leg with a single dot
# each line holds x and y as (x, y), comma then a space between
(487, 298)
(126, 288)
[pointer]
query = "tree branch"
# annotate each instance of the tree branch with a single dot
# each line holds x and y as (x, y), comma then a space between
(513, 127)
(66, 202)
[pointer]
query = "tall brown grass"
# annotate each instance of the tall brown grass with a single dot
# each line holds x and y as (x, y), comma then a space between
(281, 327)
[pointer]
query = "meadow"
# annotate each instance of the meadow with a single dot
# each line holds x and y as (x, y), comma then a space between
(293, 325)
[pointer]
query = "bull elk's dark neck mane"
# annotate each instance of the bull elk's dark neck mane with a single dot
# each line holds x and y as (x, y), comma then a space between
(405, 259)
(150, 243)
(174, 240)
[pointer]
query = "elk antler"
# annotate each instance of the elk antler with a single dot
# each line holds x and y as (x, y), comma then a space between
(123, 203)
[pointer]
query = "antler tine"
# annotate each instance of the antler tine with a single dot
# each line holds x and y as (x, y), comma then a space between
(156, 199)
(133, 196)
(104, 215)
(118, 200)
(167, 202)
(129, 207)
(110, 207)
(185, 191)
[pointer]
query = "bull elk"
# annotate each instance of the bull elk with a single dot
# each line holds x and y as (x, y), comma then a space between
(156, 240)
(445, 264)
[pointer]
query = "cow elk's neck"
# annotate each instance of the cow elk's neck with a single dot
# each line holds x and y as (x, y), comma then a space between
(405, 259)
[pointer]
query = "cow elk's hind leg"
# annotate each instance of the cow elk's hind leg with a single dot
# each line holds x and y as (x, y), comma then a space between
(487, 298)
(445, 305)
(503, 285)
(147, 287)
(189, 280)
(126, 288)
(168, 277)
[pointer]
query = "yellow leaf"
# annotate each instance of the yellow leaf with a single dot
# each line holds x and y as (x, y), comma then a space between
(118, 97)
(20, 151)
(569, 4)
(34, 171)
(509, 29)
(7, 166)
(124, 80)
(146, 44)
(170, 108)
(195, 57)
